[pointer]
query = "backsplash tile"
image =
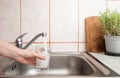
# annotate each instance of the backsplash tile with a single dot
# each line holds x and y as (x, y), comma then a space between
(64, 20)
(35, 18)
(82, 47)
(114, 5)
(33, 46)
(64, 47)
(9, 19)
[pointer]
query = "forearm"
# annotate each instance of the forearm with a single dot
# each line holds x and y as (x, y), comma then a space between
(7, 49)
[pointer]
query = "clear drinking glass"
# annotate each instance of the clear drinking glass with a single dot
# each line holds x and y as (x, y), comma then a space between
(43, 64)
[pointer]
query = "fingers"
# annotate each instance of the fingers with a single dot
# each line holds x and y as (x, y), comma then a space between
(39, 55)
(27, 61)
(31, 61)
(29, 56)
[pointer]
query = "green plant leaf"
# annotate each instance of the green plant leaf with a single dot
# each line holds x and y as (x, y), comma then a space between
(110, 21)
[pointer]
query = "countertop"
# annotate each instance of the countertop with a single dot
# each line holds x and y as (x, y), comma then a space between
(112, 62)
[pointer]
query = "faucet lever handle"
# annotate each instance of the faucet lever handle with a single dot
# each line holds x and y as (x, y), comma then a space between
(21, 36)
(19, 40)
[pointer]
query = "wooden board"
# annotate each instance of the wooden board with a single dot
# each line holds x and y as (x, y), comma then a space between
(94, 35)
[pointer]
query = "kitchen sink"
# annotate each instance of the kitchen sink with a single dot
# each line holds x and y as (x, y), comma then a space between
(60, 65)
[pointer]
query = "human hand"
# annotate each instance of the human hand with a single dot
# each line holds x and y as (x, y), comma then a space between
(28, 56)
(21, 55)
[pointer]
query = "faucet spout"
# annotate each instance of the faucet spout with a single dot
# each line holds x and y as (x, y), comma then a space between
(36, 37)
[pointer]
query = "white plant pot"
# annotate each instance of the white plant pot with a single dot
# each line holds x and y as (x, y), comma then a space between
(112, 44)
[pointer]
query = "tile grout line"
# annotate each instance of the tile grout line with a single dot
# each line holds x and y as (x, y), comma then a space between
(20, 17)
(49, 26)
(78, 27)
(57, 42)
(106, 4)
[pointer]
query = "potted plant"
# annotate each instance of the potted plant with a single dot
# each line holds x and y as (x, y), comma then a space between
(110, 22)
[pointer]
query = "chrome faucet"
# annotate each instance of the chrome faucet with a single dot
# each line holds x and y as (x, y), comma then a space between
(19, 41)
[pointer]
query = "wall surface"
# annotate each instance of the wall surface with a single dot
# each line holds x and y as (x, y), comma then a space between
(63, 20)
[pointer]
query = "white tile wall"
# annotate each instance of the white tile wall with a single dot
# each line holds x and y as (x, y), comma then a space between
(114, 5)
(65, 17)
(82, 47)
(64, 47)
(35, 18)
(64, 20)
(9, 19)
(33, 46)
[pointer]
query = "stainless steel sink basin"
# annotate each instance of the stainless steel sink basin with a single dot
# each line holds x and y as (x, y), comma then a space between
(60, 65)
